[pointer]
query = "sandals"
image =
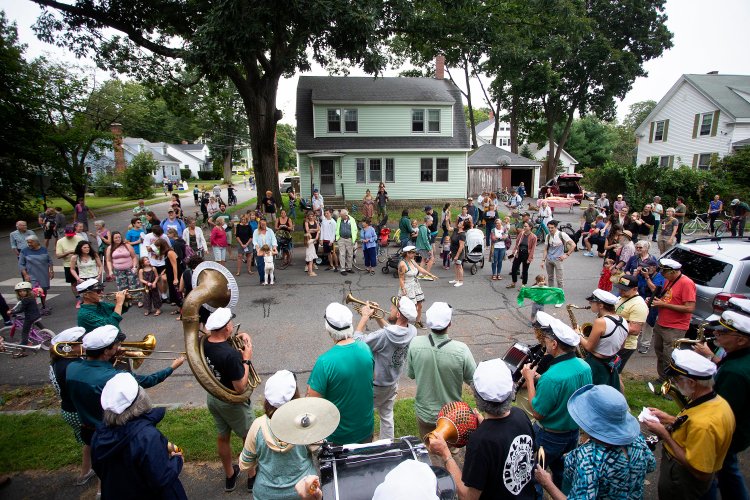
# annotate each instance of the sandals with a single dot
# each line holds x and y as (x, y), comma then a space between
(157, 313)
(20, 354)
(510, 285)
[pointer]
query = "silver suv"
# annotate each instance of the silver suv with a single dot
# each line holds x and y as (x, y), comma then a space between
(720, 268)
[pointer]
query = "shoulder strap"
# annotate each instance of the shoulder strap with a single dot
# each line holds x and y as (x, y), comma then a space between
(619, 323)
(432, 342)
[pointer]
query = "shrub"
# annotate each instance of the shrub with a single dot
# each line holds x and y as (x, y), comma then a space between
(185, 174)
(137, 180)
(210, 175)
(104, 184)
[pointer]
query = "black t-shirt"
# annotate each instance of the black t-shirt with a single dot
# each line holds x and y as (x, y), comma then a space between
(456, 238)
(243, 232)
(269, 204)
(648, 219)
(434, 224)
(500, 457)
(225, 361)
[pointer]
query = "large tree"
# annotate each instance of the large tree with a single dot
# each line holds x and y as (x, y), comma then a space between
(253, 44)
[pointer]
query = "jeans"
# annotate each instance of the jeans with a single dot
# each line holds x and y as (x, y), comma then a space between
(729, 481)
(371, 256)
(384, 399)
(488, 231)
(738, 227)
(556, 445)
(498, 255)
(260, 265)
(656, 230)
(678, 236)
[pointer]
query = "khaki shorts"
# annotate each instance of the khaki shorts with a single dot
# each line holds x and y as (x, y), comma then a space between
(230, 417)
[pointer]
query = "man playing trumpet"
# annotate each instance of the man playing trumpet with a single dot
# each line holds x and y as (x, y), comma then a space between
(389, 346)
(95, 313)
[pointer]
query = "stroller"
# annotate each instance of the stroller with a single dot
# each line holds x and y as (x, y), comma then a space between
(474, 250)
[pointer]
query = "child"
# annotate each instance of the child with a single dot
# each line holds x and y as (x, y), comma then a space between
(28, 309)
(539, 282)
(446, 253)
(606, 275)
(414, 231)
(268, 262)
(148, 277)
(310, 254)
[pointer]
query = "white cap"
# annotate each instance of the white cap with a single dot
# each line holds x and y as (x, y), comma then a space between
(409, 248)
(689, 363)
(100, 337)
(73, 334)
(493, 380)
(219, 319)
(603, 296)
(734, 321)
(670, 263)
(280, 388)
(544, 319)
(740, 304)
(410, 480)
(338, 317)
(564, 333)
(86, 284)
(407, 308)
(438, 316)
(119, 393)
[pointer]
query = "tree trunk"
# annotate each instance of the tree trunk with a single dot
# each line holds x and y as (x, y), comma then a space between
(228, 162)
(551, 157)
(496, 127)
(471, 108)
(514, 124)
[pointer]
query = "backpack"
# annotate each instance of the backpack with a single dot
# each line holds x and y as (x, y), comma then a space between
(189, 252)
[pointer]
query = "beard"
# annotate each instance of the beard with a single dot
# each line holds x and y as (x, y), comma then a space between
(392, 318)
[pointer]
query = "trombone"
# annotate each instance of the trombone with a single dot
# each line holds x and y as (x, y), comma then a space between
(358, 304)
(134, 352)
(11, 348)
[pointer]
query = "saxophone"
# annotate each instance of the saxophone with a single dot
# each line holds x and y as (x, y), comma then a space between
(686, 343)
(585, 328)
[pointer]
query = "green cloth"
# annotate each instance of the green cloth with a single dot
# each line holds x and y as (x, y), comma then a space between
(733, 384)
(353, 226)
(439, 372)
(565, 376)
(85, 380)
(92, 316)
(423, 238)
(227, 221)
(601, 374)
(541, 295)
(405, 226)
(343, 376)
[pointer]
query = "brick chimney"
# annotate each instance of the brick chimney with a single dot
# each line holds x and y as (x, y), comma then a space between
(440, 67)
(116, 130)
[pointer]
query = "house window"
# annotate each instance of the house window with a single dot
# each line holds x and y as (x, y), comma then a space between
(433, 120)
(390, 170)
(659, 131)
(707, 120)
(375, 170)
(664, 161)
(704, 161)
(425, 170)
(334, 120)
(350, 120)
(417, 120)
(360, 170)
(441, 170)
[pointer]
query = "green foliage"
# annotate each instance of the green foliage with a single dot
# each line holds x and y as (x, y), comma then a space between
(591, 141)
(480, 115)
(286, 139)
(526, 152)
(105, 184)
(736, 169)
(637, 113)
(185, 174)
(137, 180)
(209, 175)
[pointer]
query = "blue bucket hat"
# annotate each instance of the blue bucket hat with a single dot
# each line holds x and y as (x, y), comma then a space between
(603, 413)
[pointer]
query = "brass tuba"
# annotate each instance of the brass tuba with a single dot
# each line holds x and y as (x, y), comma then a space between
(213, 286)
(585, 328)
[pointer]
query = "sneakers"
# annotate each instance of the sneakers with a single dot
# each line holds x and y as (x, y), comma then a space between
(343, 273)
(588, 254)
(458, 284)
(425, 277)
(453, 282)
(558, 306)
(643, 350)
(510, 285)
(230, 483)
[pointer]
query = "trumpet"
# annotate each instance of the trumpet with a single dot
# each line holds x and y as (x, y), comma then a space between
(686, 343)
(358, 304)
(128, 295)
(11, 348)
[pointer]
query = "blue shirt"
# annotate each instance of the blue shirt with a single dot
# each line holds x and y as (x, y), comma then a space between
(369, 237)
(135, 235)
(177, 224)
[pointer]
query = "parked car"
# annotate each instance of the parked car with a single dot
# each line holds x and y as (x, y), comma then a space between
(565, 185)
(720, 268)
(288, 183)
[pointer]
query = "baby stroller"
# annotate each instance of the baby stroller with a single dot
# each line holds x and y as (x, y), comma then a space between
(391, 262)
(474, 250)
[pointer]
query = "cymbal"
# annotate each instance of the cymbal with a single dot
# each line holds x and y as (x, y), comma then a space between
(234, 291)
(305, 420)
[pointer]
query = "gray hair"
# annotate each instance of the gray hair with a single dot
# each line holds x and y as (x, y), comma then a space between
(644, 243)
(99, 223)
(32, 237)
(339, 335)
(491, 407)
(706, 384)
(343, 211)
(141, 405)
(219, 220)
(428, 218)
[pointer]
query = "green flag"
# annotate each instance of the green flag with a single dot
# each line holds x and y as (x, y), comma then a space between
(541, 295)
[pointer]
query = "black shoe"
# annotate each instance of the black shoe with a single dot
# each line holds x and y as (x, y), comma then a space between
(343, 273)
(231, 482)
(251, 483)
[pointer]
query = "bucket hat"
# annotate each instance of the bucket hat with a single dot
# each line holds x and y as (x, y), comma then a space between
(603, 413)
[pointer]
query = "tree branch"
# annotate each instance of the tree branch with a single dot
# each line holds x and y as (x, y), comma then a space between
(454, 82)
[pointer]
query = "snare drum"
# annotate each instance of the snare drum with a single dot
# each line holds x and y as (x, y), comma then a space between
(353, 474)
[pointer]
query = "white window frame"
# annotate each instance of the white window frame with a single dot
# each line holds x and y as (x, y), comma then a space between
(707, 165)
(345, 111)
(414, 121)
(702, 123)
(657, 131)
(328, 120)
(363, 163)
(430, 121)
(391, 168)
(370, 170)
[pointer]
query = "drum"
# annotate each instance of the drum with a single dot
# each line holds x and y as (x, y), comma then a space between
(353, 474)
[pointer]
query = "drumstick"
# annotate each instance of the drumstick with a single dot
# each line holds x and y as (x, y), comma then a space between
(540, 457)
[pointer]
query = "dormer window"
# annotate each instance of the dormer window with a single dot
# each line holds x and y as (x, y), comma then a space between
(418, 121)
(334, 120)
(433, 120)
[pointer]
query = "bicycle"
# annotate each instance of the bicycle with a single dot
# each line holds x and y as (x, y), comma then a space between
(726, 225)
(699, 222)
(37, 336)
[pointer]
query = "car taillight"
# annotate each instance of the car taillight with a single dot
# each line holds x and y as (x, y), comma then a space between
(721, 301)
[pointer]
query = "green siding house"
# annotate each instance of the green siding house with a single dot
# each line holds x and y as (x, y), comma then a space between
(355, 132)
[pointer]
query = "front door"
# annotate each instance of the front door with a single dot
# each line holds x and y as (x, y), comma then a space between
(327, 185)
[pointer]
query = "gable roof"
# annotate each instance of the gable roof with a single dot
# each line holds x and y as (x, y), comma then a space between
(352, 90)
(493, 156)
(535, 147)
(131, 143)
(483, 125)
(188, 147)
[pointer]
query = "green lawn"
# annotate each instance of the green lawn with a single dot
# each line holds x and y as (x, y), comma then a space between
(100, 202)
(40, 441)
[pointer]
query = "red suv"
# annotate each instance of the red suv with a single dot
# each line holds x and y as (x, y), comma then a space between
(565, 185)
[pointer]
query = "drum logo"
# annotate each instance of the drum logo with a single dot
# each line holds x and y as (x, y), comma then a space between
(519, 464)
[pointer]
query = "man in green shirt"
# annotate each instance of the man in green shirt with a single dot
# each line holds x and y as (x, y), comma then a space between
(343, 375)
(404, 226)
(424, 247)
(440, 366)
(95, 313)
(739, 215)
(555, 429)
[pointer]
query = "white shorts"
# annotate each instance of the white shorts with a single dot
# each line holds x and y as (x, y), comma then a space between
(220, 253)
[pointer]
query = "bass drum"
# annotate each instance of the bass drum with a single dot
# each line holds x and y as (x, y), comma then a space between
(354, 474)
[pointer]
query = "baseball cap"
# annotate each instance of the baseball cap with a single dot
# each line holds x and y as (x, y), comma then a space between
(626, 282)
(70, 230)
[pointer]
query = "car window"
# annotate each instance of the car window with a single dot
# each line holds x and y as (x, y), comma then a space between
(702, 269)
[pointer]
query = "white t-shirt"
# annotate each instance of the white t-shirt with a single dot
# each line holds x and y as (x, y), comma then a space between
(545, 214)
(657, 207)
(500, 235)
(149, 240)
(615, 337)
(327, 229)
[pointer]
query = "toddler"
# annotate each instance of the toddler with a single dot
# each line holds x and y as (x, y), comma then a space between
(605, 277)
(310, 254)
(149, 278)
(539, 282)
(268, 263)
(29, 310)
(446, 252)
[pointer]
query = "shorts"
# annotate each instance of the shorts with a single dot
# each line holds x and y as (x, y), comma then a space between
(228, 417)
(49, 234)
(327, 247)
(69, 276)
(220, 253)
(425, 254)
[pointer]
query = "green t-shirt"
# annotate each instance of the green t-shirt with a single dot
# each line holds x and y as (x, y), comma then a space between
(733, 384)
(565, 376)
(440, 371)
(92, 316)
(343, 376)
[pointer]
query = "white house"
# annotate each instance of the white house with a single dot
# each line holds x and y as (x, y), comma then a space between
(540, 154)
(701, 119)
(192, 156)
